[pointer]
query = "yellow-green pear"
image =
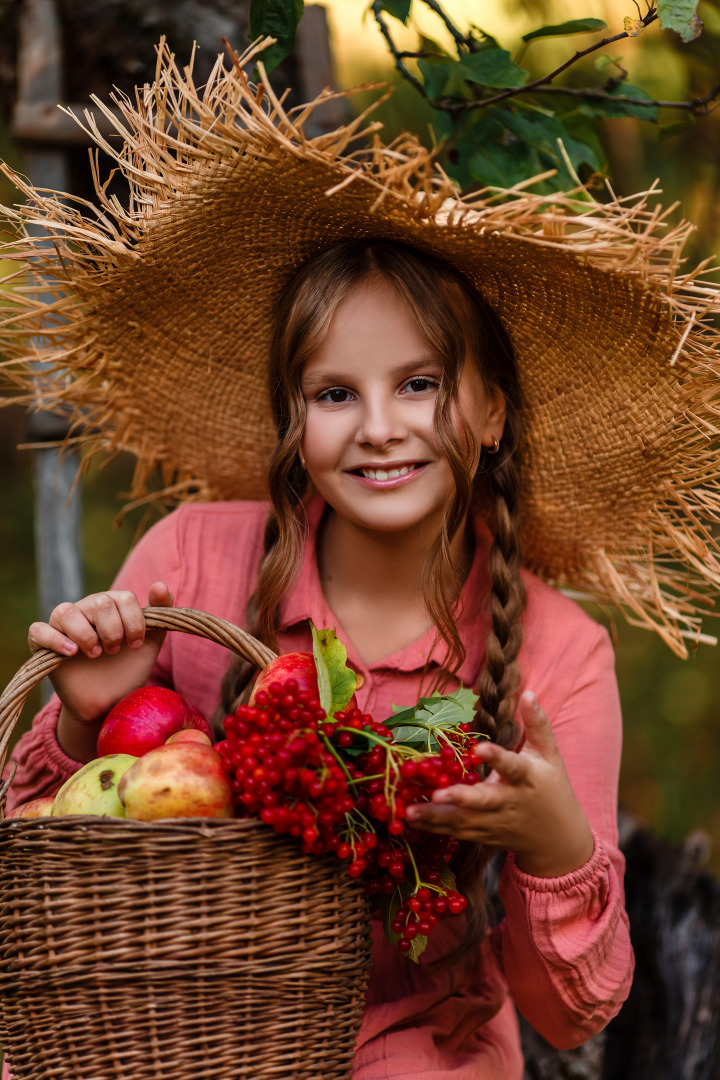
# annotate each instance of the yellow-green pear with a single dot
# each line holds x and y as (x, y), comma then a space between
(93, 789)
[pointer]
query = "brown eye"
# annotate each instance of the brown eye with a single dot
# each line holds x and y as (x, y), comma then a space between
(420, 385)
(336, 395)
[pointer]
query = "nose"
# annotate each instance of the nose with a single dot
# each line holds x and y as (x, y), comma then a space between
(381, 422)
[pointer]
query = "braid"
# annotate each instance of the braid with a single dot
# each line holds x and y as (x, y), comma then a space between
(498, 682)
(500, 677)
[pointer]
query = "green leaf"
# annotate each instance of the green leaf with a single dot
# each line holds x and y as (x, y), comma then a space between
(585, 130)
(417, 947)
(680, 16)
(501, 166)
(447, 877)
(436, 75)
(415, 726)
(481, 38)
(606, 107)
(430, 45)
(670, 130)
(573, 26)
(542, 130)
(491, 67)
(389, 906)
(605, 60)
(336, 681)
(399, 9)
(278, 19)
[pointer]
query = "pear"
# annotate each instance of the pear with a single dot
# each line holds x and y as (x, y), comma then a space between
(93, 789)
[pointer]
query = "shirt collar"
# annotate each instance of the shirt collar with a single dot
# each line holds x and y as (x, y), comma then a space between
(307, 601)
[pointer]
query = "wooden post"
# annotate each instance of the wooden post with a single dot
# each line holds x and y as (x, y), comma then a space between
(57, 507)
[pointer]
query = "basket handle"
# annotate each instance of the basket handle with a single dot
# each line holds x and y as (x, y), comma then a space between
(186, 620)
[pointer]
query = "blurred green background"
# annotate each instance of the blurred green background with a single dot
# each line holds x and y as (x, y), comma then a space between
(670, 775)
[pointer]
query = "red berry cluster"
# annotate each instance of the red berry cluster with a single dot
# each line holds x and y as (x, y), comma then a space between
(420, 913)
(343, 785)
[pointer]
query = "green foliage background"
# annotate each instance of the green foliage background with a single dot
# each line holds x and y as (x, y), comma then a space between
(671, 707)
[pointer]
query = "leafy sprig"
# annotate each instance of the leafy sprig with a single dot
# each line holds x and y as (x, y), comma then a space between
(496, 125)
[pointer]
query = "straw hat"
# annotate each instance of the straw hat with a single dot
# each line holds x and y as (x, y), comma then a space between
(156, 318)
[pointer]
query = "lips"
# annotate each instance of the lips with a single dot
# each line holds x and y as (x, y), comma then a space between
(391, 473)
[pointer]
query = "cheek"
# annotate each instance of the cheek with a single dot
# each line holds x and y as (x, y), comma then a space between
(320, 441)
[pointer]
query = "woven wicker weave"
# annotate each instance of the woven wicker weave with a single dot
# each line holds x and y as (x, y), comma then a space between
(187, 950)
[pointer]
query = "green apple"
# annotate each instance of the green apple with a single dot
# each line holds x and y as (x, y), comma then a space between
(93, 789)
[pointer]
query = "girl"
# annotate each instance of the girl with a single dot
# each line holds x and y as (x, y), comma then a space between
(396, 401)
(388, 330)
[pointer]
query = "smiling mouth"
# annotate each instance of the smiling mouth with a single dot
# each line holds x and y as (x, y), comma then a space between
(387, 474)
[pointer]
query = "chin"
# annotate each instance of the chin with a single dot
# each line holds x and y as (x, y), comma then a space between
(394, 519)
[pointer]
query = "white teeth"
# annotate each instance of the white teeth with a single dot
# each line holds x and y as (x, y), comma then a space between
(381, 474)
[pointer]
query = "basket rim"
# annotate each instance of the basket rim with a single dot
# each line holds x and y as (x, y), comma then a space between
(45, 661)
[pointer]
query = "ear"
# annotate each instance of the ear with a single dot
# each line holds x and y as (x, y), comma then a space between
(495, 419)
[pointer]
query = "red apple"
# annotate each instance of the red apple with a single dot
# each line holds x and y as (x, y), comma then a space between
(192, 735)
(144, 719)
(177, 781)
(33, 809)
(297, 666)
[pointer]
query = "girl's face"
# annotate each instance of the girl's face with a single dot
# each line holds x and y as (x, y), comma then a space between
(370, 389)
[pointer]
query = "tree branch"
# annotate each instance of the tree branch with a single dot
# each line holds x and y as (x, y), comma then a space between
(697, 106)
(545, 79)
(542, 85)
(377, 10)
(460, 40)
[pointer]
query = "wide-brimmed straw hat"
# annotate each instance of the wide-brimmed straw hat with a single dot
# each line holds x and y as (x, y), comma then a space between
(154, 320)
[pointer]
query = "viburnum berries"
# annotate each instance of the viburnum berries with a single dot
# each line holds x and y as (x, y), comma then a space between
(342, 783)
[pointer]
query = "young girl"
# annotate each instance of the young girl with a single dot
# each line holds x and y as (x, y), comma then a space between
(394, 332)
(396, 400)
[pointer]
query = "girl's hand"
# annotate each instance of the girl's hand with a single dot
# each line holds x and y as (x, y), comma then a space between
(527, 804)
(110, 653)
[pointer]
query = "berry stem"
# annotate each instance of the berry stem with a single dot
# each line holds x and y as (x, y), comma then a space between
(337, 757)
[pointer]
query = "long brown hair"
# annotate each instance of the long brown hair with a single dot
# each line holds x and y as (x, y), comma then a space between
(457, 323)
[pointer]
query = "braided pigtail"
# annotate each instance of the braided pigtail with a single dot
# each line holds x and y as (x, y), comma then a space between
(497, 689)
(500, 677)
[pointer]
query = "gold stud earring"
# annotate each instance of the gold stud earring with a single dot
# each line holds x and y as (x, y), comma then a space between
(495, 447)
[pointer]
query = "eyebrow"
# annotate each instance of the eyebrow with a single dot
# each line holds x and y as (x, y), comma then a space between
(328, 378)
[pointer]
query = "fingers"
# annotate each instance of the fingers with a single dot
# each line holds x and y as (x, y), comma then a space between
(97, 624)
(538, 732)
(465, 812)
(508, 764)
(44, 636)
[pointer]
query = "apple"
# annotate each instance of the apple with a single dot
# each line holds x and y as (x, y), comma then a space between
(33, 809)
(192, 735)
(144, 719)
(178, 780)
(299, 666)
(94, 788)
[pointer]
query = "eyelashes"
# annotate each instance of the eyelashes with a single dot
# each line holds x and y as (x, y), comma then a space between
(340, 395)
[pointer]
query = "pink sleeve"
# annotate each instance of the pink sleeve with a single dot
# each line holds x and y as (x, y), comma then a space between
(564, 943)
(43, 766)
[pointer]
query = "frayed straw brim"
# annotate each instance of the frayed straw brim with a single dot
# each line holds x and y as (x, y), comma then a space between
(154, 322)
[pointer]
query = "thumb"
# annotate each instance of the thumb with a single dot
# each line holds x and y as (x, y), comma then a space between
(538, 733)
(159, 595)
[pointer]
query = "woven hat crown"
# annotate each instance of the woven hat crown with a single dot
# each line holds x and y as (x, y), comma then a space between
(153, 321)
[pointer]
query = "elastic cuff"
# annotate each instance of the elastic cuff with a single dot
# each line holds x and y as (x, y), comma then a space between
(64, 764)
(597, 863)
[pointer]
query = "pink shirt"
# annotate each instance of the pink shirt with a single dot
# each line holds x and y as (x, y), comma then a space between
(562, 954)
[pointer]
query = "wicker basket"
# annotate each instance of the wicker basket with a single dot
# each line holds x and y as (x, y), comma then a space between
(183, 950)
